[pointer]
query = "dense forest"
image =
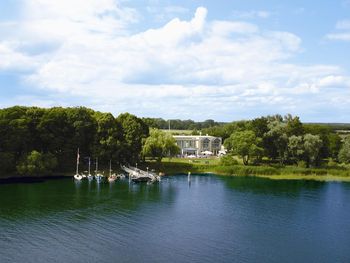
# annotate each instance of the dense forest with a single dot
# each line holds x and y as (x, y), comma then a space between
(42, 141)
(37, 141)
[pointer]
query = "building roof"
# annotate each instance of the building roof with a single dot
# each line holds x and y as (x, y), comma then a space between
(194, 136)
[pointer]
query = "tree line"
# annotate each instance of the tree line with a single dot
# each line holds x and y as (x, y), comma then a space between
(283, 140)
(41, 141)
(176, 124)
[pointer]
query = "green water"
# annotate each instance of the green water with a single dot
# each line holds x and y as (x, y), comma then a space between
(211, 219)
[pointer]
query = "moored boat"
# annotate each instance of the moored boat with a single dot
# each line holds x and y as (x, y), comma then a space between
(111, 177)
(98, 176)
(77, 176)
(90, 176)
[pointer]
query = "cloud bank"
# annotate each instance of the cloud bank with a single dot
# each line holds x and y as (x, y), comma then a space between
(83, 52)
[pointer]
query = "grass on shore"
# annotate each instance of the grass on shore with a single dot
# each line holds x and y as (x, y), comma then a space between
(212, 165)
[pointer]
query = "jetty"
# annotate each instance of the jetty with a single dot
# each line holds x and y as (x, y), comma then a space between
(138, 175)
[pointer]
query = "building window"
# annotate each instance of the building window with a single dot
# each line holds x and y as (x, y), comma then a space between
(216, 143)
(205, 144)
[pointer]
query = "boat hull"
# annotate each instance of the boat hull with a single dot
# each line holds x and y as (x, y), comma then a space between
(141, 179)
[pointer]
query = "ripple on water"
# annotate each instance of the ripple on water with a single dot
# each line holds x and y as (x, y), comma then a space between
(213, 219)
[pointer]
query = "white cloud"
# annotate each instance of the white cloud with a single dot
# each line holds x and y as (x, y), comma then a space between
(342, 32)
(334, 81)
(251, 14)
(343, 24)
(13, 60)
(339, 36)
(198, 64)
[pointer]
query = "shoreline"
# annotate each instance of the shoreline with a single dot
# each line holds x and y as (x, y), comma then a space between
(291, 177)
(267, 172)
(176, 168)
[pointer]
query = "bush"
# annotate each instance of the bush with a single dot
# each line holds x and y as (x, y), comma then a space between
(228, 160)
(248, 170)
(332, 164)
(302, 164)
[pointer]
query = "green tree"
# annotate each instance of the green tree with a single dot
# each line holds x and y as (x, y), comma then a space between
(278, 139)
(7, 162)
(159, 144)
(312, 146)
(36, 163)
(293, 125)
(296, 148)
(109, 141)
(134, 132)
(344, 153)
(334, 145)
(324, 132)
(245, 144)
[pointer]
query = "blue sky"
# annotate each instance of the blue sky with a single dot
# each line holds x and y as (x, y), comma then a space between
(225, 60)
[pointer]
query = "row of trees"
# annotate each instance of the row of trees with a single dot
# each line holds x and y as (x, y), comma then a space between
(282, 139)
(38, 141)
(176, 124)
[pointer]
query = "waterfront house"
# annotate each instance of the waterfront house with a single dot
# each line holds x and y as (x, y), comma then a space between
(198, 144)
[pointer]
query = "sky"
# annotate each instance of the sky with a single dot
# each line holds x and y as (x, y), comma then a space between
(221, 60)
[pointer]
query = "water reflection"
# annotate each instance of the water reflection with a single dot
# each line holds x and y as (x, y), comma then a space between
(19, 200)
(271, 187)
(206, 219)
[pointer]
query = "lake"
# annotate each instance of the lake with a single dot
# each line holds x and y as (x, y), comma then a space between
(210, 219)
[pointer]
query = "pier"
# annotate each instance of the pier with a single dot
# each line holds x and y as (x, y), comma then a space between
(138, 175)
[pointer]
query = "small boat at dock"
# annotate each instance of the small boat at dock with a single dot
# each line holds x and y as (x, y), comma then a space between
(137, 175)
(78, 176)
(90, 177)
(111, 177)
(98, 176)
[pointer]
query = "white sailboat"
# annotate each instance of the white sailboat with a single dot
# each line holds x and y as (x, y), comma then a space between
(90, 176)
(111, 177)
(98, 176)
(77, 176)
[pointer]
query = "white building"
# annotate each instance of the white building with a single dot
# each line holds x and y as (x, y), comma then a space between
(196, 145)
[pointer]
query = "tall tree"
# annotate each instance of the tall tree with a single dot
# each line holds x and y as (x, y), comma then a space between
(296, 148)
(277, 136)
(344, 153)
(159, 144)
(109, 141)
(245, 144)
(312, 146)
(134, 131)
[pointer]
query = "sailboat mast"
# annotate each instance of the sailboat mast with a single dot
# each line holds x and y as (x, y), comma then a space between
(77, 171)
(96, 165)
(89, 165)
(110, 167)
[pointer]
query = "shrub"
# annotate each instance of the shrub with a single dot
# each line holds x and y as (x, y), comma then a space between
(302, 164)
(228, 160)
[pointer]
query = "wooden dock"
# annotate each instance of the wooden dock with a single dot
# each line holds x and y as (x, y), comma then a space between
(138, 175)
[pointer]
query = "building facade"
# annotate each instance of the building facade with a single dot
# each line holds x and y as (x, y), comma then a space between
(197, 145)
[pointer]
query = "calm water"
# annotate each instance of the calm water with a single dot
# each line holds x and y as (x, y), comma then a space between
(213, 219)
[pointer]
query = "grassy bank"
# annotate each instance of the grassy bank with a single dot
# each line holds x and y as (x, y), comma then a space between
(176, 166)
